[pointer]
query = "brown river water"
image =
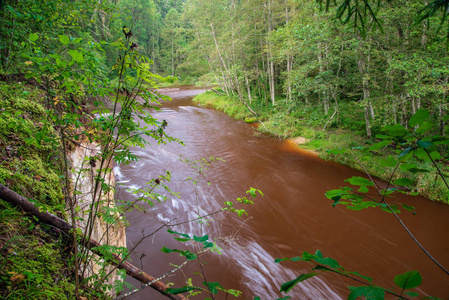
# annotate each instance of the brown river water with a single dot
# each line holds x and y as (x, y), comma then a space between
(292, 217)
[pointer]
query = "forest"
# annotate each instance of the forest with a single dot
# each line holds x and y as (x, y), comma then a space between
(364, 82)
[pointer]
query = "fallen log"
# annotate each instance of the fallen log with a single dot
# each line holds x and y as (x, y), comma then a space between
(15, 199)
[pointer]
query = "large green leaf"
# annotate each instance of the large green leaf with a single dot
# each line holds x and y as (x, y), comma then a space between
(287, 286)
(418, 118)
(395, 130)
(408, 280)
(213, 286)
(369, 292)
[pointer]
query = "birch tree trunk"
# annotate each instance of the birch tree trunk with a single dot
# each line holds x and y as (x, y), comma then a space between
(270, 54)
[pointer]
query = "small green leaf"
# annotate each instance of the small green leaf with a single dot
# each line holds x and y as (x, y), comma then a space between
(34, 37)
(64, 39)
(182, 290)
(408, 280)
(213, 286)
(287, 286)
(419, 117)
(201, 239)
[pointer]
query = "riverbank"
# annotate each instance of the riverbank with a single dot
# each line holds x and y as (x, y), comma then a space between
(321, 134)
(33, 163)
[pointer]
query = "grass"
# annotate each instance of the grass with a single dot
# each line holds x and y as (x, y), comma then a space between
(345, 132)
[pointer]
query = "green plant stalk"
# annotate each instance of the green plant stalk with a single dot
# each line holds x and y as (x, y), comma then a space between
(72, 215)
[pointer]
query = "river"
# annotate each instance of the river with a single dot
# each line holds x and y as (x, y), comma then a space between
(293, 215)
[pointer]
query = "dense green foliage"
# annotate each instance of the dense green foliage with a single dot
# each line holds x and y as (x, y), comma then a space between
(295, 57)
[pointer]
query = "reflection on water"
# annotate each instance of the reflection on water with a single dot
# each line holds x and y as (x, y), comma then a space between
(292, 217)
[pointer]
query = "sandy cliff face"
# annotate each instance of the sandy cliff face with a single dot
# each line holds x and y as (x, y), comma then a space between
(84, 168)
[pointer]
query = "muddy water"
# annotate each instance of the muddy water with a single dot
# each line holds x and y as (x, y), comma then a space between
(292, 217)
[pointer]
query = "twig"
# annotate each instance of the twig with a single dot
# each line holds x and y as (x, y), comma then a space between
(151, 282)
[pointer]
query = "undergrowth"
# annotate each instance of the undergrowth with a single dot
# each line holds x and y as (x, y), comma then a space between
(34, 258)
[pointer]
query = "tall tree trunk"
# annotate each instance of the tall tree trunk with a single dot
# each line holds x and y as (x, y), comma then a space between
(248, 88)
(270, 55)
(363, 66)
(226, 74)
(289, 58)
(172, 55)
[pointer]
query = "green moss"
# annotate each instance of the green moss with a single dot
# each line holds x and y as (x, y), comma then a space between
(29, 162)
(250, 120)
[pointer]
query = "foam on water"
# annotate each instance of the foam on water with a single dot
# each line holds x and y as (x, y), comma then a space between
(261, 273)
